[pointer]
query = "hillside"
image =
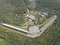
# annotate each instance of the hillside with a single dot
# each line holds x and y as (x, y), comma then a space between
(12, 12)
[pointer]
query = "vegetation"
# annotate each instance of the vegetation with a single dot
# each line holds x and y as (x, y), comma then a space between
(11, 12)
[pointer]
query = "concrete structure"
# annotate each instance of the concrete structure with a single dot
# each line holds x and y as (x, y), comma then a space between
(50, 22)
(33, 4)
(45, 13)
(33, 30)
(28, 10)
(31, 17)
(14, 28)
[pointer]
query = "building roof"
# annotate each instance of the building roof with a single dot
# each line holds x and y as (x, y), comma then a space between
(31, 17)
(33, 29)
(45, 13)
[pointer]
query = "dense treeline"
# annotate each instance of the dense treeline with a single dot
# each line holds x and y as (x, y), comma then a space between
(49, 4)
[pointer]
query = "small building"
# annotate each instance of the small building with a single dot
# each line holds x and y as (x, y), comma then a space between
(31, 17)
(45, 13)
(33, 29)
(28, 10)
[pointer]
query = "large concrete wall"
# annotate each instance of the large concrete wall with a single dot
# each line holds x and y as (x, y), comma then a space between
(14, 28)
(50, 22)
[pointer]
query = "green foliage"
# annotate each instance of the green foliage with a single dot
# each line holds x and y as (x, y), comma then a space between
(11, 11)
(49, 4)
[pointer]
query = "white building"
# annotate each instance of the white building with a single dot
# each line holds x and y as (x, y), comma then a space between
(33, 29)
(31, 17)
(45, 13)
